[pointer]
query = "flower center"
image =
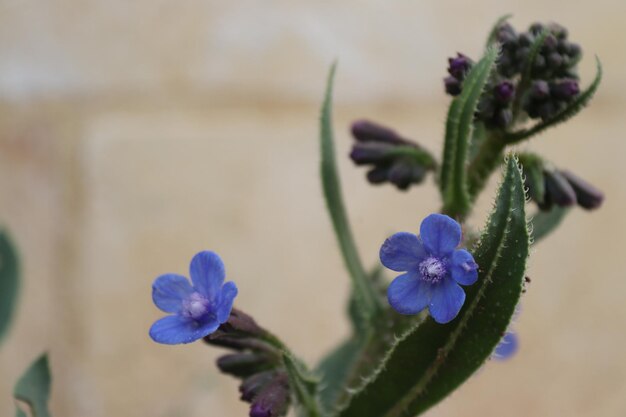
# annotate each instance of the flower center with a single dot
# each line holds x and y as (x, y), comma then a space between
(195, 306)
(432, 270)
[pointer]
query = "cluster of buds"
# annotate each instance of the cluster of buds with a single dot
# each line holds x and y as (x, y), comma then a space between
(393, 159)
(548, 186)
(553, 79)
(557, 57)
(256, 361)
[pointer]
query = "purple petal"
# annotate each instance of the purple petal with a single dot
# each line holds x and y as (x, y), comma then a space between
(169, 290)
(207, 274)
(440, 234)
(229, 292)
(402, 252)
(463, 269)
(446, 302)
(507, 347)
(175, 329)
(408, 294)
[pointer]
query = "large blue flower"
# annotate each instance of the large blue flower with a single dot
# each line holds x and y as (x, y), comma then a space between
(433, 268)
(198, 309)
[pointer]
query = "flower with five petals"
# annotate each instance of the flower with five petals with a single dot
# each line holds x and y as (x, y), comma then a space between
(197, 308)
(433, 269)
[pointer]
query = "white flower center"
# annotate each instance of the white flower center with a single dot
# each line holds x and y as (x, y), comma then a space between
(432, 270)
(195, 306)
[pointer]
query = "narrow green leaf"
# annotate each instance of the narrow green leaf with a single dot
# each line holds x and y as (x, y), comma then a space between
(533, 167)
(545, 222)
(33, 388)
(494, 29)
(9, 282)
(567, 113)
(303, 385)
(459, 126)
(364, 290)
(431, 360)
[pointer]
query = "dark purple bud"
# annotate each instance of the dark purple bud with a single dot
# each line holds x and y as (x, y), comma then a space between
(525, 39)
(370, 152)
(251, 386)
(244, 364)
(587, 196)
(536, 28)
(452, 85)
(539, 63)
(273, 400)
(550, 43)
(459, 66)
(565, 89)
(504, 118)
(558, 189)
(506, 35)
(560, 32)
(366, 131)
(401, 174)
(573, 50)
(540, 90)
(378, 175)
(504, 91)
(555, 60)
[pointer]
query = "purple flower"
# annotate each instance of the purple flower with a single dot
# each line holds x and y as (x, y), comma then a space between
(507, 347)
(433, 268)
(198, 309)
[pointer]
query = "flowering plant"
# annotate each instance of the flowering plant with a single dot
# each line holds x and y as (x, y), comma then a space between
(419, 336)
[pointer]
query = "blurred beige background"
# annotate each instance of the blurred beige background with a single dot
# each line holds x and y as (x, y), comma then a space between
(134, 134)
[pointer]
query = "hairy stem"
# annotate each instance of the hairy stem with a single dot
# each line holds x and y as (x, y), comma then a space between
(489, 156)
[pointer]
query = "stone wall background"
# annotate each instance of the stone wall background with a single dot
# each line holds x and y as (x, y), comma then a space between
(133, 135)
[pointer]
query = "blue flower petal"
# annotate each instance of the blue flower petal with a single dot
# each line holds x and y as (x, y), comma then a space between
(463, 268)
(446, 302)
(175, 329)
(440, 234)
(169, 290)
(408, 293)
(402, 252)
(229, 292)
(507, 347)
(207, 274)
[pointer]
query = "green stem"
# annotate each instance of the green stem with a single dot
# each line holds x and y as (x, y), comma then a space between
(489, 156)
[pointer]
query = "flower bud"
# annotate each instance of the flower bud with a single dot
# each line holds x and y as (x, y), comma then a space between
(244, 364)
(452, 85)
(504, 91)
(587, 196)
(370, 152)
(459, 66)
(366, 131)
(273, 400)
(565, 89)
(558, 189)
(254, 384)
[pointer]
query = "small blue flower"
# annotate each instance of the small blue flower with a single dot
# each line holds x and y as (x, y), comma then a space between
(433, 268)
(198, 309)
(507, 347)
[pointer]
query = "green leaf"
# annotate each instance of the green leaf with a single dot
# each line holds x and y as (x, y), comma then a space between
(9, 282)
(545, 222)
(430, 360)
(33, 388)
(494, 29)
(459, 126)
(364, 290)
(567, 113)
(303, 385)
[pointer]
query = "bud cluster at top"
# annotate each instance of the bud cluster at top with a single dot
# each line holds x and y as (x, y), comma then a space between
(552, 83)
